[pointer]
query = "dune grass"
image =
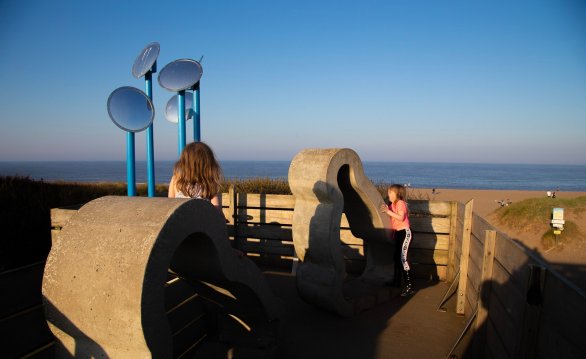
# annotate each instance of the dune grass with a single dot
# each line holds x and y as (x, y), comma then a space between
(570, 233)
(532, 213)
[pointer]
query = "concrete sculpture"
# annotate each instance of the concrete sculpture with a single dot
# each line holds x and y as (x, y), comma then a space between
(103, 285)
(327, 182)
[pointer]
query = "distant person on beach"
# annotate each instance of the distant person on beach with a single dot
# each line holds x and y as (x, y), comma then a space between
(433, 191)
(399, 213)
(197, 174)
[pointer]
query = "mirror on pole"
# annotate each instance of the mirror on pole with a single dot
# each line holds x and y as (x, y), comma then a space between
(130, 109)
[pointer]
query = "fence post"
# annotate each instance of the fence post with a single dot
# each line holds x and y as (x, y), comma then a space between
(452, 242)
(461, 303)
(232, 206)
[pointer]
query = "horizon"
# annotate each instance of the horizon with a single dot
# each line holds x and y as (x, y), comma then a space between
(289, 160)
(459, 82)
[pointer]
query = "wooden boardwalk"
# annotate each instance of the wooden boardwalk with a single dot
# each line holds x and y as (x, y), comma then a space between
(405, 327)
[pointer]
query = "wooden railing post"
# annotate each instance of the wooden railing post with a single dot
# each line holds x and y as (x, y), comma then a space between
(451, 273)
(461, 303)
(232, 206)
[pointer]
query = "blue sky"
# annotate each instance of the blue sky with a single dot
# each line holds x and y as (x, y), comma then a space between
(424, 81)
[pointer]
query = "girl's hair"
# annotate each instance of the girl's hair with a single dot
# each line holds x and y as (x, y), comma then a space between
(399, 190)
(197, 173)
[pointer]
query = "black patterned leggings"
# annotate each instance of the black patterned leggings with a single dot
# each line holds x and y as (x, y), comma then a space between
(402, 241)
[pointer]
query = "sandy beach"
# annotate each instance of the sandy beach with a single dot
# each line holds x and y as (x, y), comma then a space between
(485, 201)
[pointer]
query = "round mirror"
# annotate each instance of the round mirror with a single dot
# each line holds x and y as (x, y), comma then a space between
(145, 60)
(172, 106)
(130, 109)
(180, 74)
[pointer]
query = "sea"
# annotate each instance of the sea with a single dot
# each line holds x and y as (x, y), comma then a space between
(417, 175)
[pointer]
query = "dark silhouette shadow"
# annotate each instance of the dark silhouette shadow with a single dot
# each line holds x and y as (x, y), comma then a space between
(85, 347)
(519, 319)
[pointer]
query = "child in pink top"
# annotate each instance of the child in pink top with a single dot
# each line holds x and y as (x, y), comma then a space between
(399, 213)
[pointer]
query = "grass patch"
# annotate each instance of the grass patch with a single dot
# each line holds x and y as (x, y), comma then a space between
(534, 213)
(258, 185)
(570, 233)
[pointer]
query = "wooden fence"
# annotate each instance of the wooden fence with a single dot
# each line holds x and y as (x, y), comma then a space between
(260, 225)
(515, 305)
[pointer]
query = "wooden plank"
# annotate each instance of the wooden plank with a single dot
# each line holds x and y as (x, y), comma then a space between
(509, 332)
(191, 335)
(508, 294)
(231, 215)
(510, 255)
(476, 250)
(553, 344)
(474, 274)
(494, 342)
(347, 237)
(268, 247)
(461, 212)
(272, 261)
(430, 241)
(185, 312)
(464, 257)
(564, 310)
(176, 292)
(24, 333)
(452, 269)
(285, 217)
(429, 272)
(265, 200)
(430, 224)
(262, 215)
(428, 256)
(468, 308)
(471, 294)
(20, 288)
(46, 351)
(479, 226)
(485, 290)
(60, 216)
(430, 208)
(266, 231)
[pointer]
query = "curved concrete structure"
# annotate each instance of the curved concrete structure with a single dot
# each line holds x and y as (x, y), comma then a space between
(104, 280)
(327, 182)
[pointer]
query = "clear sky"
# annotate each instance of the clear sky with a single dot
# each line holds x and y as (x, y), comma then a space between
(425, 81)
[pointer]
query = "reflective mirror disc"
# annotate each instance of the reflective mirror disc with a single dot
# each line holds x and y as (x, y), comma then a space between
(171, 109)
(180, 75)
(145, 60)
(130, 109)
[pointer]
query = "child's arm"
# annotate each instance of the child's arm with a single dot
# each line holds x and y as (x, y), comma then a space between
(171, 193)
(400, 215)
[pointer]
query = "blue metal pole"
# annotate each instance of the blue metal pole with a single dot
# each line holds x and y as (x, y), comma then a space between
(130, 166)
(196, 123)
(181, 119)
(150, 146)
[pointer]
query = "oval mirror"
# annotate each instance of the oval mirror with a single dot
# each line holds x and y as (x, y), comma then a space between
(146, 59)
(180, 75)
(172, 106)
(130, 109)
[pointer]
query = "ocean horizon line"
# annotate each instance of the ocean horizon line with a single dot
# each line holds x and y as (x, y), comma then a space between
(289, 161)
